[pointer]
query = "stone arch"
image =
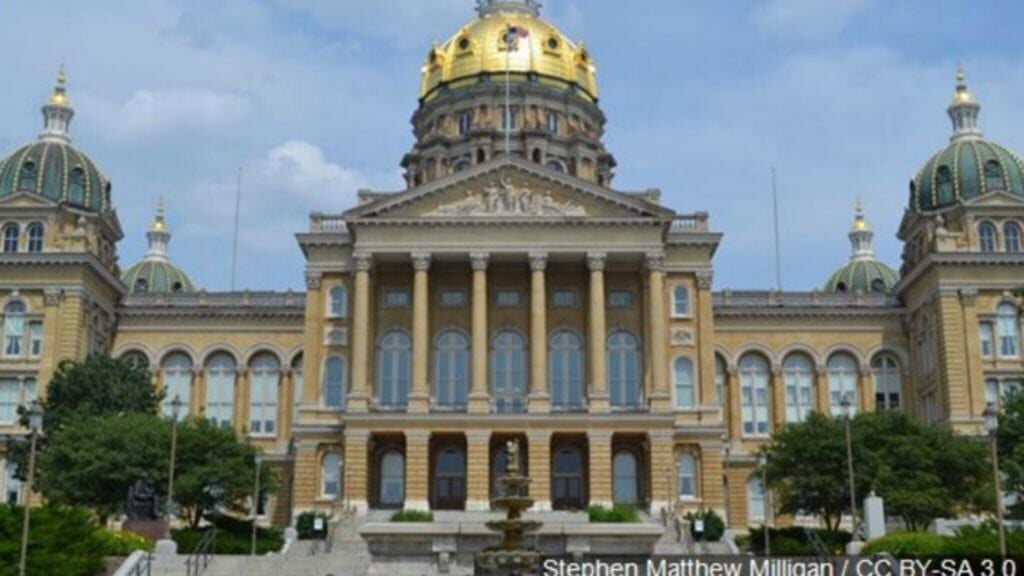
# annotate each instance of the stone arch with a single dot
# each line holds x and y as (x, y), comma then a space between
(136, 348)
(181, 347)
(804, 349)
(215, 348)
(771, 357)
(257, 349)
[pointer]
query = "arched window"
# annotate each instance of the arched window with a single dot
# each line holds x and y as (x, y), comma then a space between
(331, 474)
(625, 482)
(720, 373)
(682, 380)
(298, 383)
(265, 371)
(753, 373)
(624, 371)
(798, 376)
(886, 370)
(450, 478)
(987, 237)
(394, 370)
(944, 179)
(756, 502)
(339, 302)
(567, 479)
(35, 237)
(220, 389)
(686, 465)
(842, 383)
(136, 359)
(392, 480)
(11, 235)
(14, 329)
(680, 301)
(451, 364)
(1011, 237)
(334, 383)
(994, 176)
(508, 373)
(565, 370)
(177, 378)
(1008, 327)
(76, 189)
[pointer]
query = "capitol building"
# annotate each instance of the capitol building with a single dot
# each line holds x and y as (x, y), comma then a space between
(511, 291)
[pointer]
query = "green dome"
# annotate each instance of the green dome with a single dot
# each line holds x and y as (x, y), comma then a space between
(156, 277)
(863, 275)
(57, 171)
(966, 169)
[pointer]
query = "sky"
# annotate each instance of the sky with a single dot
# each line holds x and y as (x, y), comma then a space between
(312, 99)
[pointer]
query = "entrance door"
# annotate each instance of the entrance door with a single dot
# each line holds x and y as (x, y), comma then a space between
(450, 479)
(567, 480)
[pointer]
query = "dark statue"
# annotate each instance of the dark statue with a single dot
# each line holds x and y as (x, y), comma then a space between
(141, 503)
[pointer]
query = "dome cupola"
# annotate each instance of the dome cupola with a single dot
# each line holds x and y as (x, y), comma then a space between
(156, 274)
(864, 272)
(969, 166)
(50, 167)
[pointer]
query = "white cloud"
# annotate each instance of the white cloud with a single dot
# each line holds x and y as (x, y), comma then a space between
(806, 18)
(149, 112)
(405, 22)
(301, 168)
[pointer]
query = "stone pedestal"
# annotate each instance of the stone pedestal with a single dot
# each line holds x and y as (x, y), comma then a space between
(152, 530)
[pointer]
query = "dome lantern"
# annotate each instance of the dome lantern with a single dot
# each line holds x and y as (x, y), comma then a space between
(864, 272)
(158, 236)
(57, 112)
(487, 7)
(964, 110)
(155, 273)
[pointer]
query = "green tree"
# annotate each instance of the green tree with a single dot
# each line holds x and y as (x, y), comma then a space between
(1010, 442)
(97, 386)
(63, 541)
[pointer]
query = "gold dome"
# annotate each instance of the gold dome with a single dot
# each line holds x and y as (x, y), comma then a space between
(478, 49)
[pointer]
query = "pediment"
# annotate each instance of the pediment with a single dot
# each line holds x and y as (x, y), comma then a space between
(508, 189)
(26, 200)
(998, 198)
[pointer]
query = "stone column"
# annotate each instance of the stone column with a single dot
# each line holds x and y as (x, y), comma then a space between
(705, 316)
(478, 473)
(598, 335)
(975, 376)
(540, 399)
(866, 389)
(735, 399)
(417, 470)
(712, 472)
(305, 489)
(539, 454)
(358, 400)
(821, 389)
(197, 394)
(419, 396)
(479, 402)
(241, 406)
(600, 467)
(661, 398)
(777, 402)
(355, 470)
(663, 469)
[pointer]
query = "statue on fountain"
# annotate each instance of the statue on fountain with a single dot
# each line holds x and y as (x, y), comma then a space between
(511, 557)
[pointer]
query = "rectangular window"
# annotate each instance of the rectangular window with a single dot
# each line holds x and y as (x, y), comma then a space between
(453, 299)
(509, 119)
(552, 123)
(9, 400)
(985, 332)
(12, 485)
(565, 299)
(396, 298)
(263, 403)
(620, 299)
(35, 345)
(465, 123)
(509, 299)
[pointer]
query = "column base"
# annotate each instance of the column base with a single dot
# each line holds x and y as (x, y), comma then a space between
(358, 403)
(661, 402)
(418, 404)
(539, 404)
(599, 404)
(479, 403)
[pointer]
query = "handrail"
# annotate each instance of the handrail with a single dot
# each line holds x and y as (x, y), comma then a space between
(143, 566)
(817, 543)
(200, 558)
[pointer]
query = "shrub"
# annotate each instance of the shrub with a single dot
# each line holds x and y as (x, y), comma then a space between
(797, 541)
(122, 543)
(234, 536)
(969, 541)
(306, 522)
(617, 514)
(714, 527)
(412, 516)
(63, 541)
(907, 544)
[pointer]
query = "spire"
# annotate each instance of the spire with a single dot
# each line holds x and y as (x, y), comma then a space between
(861, 236)
(159, 235)
(488, 7)
(964, 110)
(57, 112)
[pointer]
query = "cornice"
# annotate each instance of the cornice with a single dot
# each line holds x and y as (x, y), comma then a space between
(216, 305)
(480, 221)
(65, 259)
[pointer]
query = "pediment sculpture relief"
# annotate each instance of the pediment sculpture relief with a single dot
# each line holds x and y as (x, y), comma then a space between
(508, 200)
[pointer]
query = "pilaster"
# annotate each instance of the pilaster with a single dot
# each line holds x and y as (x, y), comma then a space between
(777, 401)
(598, 393)
(478, 396)
(478, 460)
(312, 351)
(663, 470)
(600, 460)
(975, 377)
(821, 390)
(539, 455)
(540, 400)
(419, 396)
(732, 386)
(661, 398)
(866, 389)
(705, 340)
(356, 471)
(417, 470)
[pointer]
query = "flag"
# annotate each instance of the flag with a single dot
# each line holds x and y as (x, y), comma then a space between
(512, 36)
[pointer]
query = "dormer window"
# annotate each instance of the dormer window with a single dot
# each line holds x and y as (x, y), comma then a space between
(28, 175)
(944, 180)
(141, 285)
(76, 191)
(993, 176)
(177, 287)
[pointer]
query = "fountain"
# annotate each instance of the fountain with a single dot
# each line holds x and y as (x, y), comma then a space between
(511, 557)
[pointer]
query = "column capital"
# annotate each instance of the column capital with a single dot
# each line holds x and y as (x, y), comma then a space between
(538, 261)
(313, 280)
(596, 261)
(969, 297)
(705, 280)
(655, 261)
(362, 261)
(479, 261)
(421, 261)
(52, 296)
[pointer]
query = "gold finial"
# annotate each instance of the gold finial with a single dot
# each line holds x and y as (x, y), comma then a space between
(860, 223)
(159, 222)
(963, 94)
(59, 97)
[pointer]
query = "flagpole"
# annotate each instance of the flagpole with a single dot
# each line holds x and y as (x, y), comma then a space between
(778, 249)
(508, 91)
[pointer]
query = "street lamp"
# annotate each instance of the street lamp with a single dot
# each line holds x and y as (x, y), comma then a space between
(992, 426)
(258, 458)
(176, 405)
(762, 461)
(725, 483)
(35, 427)
(847, 407)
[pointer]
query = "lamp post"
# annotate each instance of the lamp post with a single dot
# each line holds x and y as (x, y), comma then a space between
(847, 409)
(175, 413)
(725, 484)
(762, 461)
(992, 426)
(258, 458)
(35, 426)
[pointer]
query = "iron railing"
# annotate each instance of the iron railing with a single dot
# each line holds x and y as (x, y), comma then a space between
(144, 567)
(200, 558)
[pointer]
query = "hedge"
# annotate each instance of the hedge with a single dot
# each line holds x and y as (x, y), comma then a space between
(617, 514)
